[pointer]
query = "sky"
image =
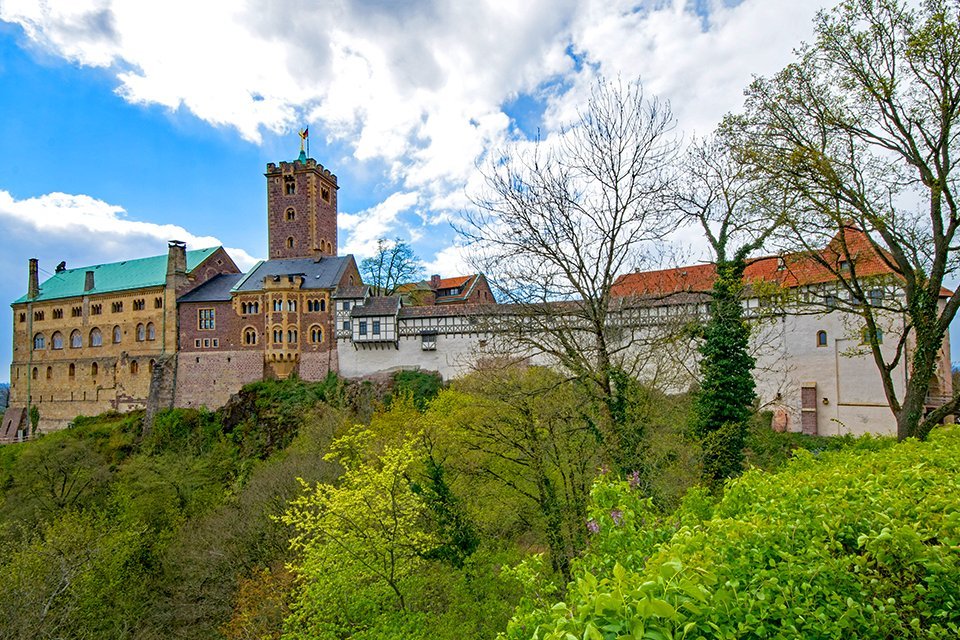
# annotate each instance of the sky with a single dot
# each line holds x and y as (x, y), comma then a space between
(124, 124)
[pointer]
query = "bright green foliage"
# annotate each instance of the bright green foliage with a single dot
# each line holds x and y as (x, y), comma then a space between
(366, 533)
(844, 544)
(724, 403)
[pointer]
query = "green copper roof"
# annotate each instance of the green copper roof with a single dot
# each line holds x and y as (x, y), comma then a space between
(114, 276)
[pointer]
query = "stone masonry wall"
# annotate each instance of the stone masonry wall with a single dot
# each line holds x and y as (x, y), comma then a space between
(209, 379)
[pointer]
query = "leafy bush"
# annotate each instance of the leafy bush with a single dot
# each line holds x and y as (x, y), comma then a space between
(856, 543)
(422, 386)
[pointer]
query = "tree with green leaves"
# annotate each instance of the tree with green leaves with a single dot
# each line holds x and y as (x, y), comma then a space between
(862, 130)
(392, 265)
(361, 539)
(728, 201)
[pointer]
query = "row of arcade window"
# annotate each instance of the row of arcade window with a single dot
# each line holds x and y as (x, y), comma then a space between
(94, 370)
(95, 310)
(145, 332)
(292, 337)
(314, 306)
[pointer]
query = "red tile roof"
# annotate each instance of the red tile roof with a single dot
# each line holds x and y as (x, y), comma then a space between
(790, 270)
(456, 281)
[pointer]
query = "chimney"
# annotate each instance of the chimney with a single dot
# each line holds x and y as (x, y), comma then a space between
(33, 284)
(434, 281)
(176, 258)
(88, 282)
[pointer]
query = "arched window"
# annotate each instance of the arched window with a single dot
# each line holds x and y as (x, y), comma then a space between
(277, 336)
(278, 305)
(141, 333)
(56, 340)
(117, 335)
(821, 338)
(49, 373)
(39, 342)
(134, 367)
(35, 373)
(249, 336)
(94, 369)
(291, 305)
(290, 243)
(291, 214)
(153, 363)
(72, 371)
(243, 308)
(76, 341)
(316, 334)
(323, 304)
(292, 336)
(256, 307)
(151, 331)
(96, 338)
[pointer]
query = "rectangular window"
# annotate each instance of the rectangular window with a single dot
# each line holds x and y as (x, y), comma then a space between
(216, 343)
(206, 343)
(346, 325)
(206, 319)
(363, 327)
(428, 342)
(875, 296)
(197, 343)
(376, 327)
(346, 305)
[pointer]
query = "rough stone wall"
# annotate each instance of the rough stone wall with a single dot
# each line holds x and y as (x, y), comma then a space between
(209, 379)
(163, 381)
(315, 366)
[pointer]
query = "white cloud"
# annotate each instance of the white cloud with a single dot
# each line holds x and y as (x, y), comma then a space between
(83, 230)
(450, 261)
(419, 87)
(363, 229)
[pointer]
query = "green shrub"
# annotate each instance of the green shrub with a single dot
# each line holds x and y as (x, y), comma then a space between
(420, 385)
(857, 543)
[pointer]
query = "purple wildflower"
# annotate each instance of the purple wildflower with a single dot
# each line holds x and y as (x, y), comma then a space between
(593, 526)
(617, 516)
(634, 479)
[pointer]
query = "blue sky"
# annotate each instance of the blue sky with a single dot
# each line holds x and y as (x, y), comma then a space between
(125, 124)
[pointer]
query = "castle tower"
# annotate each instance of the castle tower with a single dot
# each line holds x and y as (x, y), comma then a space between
(301, 209)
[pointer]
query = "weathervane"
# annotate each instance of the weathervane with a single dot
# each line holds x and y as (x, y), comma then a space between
(305, 139)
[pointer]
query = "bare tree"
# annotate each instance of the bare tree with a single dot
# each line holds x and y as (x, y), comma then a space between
(559, 219)
(392, 265)
(862, 129)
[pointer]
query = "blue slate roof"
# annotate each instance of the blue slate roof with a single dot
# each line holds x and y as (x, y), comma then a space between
(216, 289)
(318, 273)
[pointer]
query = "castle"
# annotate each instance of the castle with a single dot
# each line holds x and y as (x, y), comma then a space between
(189, 329)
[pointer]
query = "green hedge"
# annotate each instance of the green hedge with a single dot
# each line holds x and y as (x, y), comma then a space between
(858, 543)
